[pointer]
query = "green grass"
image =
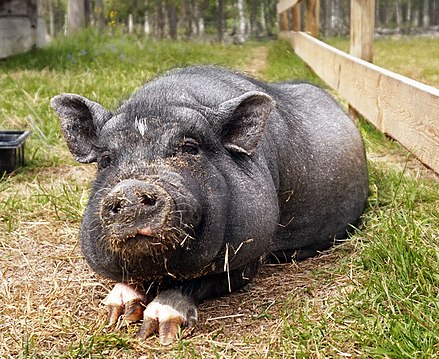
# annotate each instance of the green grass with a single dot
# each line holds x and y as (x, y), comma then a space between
(101, 67)
(376, 297)
(391, 305)
(415, 57)
(283, 65)
(388, 304)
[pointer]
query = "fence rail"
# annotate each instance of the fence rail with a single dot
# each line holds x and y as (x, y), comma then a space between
(400, 107)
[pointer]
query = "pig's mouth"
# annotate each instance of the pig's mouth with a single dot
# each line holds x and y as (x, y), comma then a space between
(149, 239)
(181, 240)
(148, 252)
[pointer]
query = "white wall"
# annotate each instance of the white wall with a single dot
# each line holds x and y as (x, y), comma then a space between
(16, 31)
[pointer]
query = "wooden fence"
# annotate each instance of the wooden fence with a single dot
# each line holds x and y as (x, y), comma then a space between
(402, 108)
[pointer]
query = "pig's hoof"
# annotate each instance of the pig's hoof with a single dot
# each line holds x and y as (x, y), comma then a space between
(167, 314)
(126, 303)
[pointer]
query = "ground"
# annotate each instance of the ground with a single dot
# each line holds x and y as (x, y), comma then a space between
(51, 301)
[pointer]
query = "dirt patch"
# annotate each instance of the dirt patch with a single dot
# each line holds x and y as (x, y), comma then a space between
(410, 165)
(258, 62)
(45, 286)
(51, 301)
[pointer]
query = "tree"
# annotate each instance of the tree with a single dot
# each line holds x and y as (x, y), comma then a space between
(220, 20)
(426, 13)
(253, 7)
(99, 12)
(75, 15)
(241, 22)
(194, 18)
(398, 11)
(172, 19)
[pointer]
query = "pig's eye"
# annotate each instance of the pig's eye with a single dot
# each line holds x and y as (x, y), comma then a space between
(190, 146)
(105, 161)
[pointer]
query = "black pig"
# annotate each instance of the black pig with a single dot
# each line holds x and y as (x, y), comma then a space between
(203, 174)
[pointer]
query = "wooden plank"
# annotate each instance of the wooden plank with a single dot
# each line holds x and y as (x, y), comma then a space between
(284, 5)
(403, 108)
(312, 17)
(362, 33)
(362, 29)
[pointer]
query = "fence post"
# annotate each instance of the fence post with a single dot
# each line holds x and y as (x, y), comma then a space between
(362, 34)
(284, 21)
(312, 17)
(295, 18)
(362, 29)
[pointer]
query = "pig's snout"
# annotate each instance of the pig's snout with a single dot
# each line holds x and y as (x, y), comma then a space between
(136, 206)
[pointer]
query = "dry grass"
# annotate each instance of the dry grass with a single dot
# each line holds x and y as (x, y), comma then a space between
(50, 300)
(45, 285)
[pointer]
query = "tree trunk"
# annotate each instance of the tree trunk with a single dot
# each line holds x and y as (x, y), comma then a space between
(87, 12)
(262, 17)
(436, 12)
(323, 18)
(415, 21)
(75, 15)
(398, 15)
(377, 16)
(253, 18)
(202, 6)
(220, 20)
(147, 25)
(335, 17)
(160, 28)
(187, 19)
(51, 20)
(425, 14)
(99, 14)
(130, 24)
(194, 17)
(268, 17)
(241, 23)
(172, 19)
(32, 12)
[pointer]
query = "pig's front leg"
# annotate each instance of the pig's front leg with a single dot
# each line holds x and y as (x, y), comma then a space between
(125, 301)
(173, 308)
(166, 314)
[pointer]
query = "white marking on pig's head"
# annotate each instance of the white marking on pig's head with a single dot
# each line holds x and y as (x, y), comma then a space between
(141, 125)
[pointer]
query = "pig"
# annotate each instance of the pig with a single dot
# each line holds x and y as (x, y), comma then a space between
(204, 174)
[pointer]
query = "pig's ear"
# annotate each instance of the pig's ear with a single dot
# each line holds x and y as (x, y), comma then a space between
(245, 119)
(81, 121)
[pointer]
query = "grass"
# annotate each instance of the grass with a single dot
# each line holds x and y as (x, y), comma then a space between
(415, 57)
(374, 296)
(117, 63)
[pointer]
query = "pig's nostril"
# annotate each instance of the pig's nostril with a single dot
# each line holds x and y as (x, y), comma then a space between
(116, 207)
(148, 200)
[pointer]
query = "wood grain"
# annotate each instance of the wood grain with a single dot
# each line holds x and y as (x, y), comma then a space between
(285, 5)
(400, 107)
